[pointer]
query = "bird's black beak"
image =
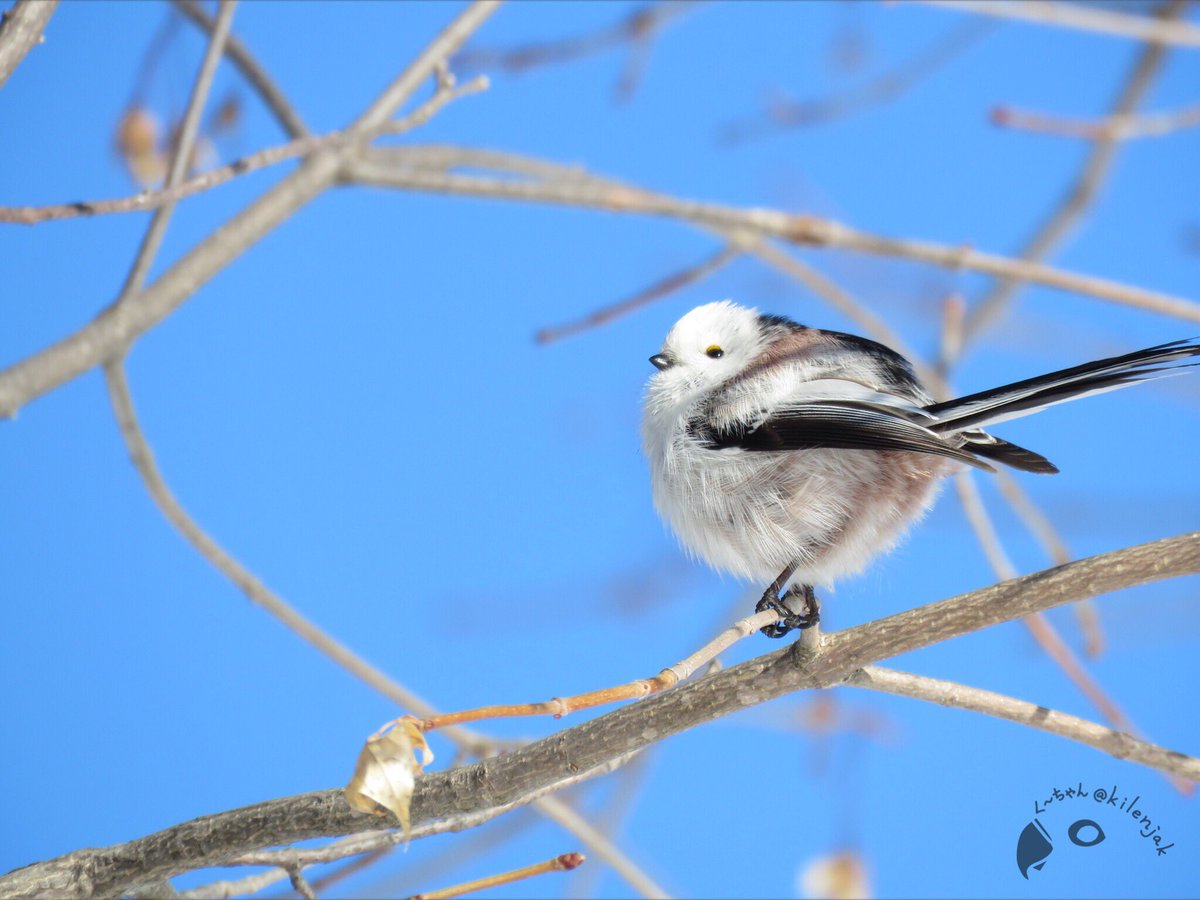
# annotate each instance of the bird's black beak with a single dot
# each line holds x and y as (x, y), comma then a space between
(661, 361)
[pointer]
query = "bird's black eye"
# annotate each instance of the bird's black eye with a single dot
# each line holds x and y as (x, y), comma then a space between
(714, 352)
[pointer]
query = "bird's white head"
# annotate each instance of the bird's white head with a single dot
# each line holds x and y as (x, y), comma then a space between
(704, 348)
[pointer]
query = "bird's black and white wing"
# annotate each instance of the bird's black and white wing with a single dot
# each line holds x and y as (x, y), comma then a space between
(844, 425)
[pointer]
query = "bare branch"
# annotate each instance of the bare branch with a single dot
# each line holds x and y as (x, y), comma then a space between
(673, 282)
(269, 156)
(301, 885)
(113, 330)
(561, 863)
(1110, 128)
(1085, 18)
(241, 887)
(143, 460)
(1078, 199)
(599, 844)
(484, 789)
(785, 115)
(20, 28)
(251, 70)
(1055, 546)
(633, 690)
(181, 160)
(401, 167)
(1038, 623)
(637, 29)
(947, 693)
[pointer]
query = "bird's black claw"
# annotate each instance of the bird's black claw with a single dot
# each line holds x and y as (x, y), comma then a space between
(788, 619)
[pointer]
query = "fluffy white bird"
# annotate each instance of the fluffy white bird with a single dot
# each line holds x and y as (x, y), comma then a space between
(792, 455)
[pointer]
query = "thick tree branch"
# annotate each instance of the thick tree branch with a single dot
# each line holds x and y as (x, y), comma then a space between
(20, 28)
(512, 779)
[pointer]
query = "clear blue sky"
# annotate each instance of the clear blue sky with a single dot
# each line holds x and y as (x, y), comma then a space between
(357, 410)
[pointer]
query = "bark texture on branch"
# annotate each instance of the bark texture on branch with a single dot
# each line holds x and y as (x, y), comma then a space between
(20, 29)
(517, 776)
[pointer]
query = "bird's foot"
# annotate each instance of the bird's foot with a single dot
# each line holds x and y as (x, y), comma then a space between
(807, 614)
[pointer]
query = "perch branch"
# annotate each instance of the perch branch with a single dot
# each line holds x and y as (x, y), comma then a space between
(499, 783)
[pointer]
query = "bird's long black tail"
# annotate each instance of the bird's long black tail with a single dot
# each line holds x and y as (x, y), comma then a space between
(1024, 397)
(967, 415)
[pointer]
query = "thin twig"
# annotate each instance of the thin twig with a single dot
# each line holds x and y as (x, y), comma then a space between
(113, 330)
(637, 29)
(1078, 16)
(300, 883)
(661, 288)
(633, 690)
(105, 335)
(251, 70)
(268, 156)
(562, 863)
(240, 887)
(1039, 625)
(1055, 546)
(143, 460)
(352, 867)
(1077, 200)
(600, 844)
(627, 788)
(1120, 744)
(1110, 128)
(787, 114)
(181, 160)
(20, 30)
(453, 855)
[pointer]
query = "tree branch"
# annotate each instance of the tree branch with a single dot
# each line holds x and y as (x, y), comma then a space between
(181, 159)
(1120, 744)
(509, 780)
(1079, 197)
(113, 330)
(20, 28)
(404, 167)
(254, 73)
(1086, 18)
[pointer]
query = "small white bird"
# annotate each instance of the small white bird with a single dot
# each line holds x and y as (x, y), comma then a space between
(794, 455)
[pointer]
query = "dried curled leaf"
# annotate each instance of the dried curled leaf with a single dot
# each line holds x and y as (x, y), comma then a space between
(387, 770)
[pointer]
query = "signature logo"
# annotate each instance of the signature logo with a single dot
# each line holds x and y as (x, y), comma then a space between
(1035, 844)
